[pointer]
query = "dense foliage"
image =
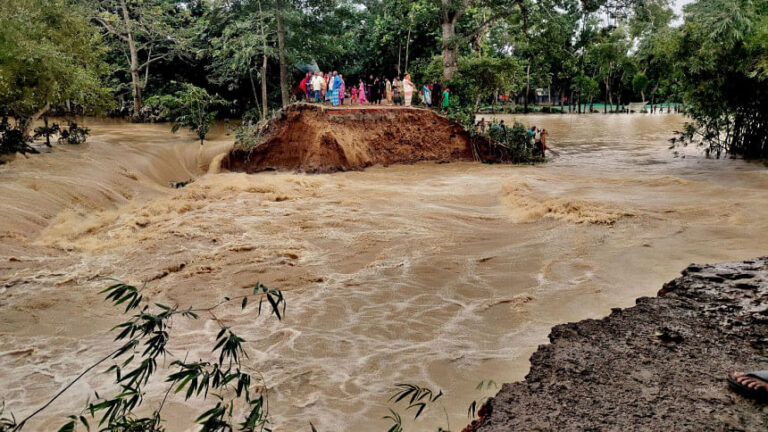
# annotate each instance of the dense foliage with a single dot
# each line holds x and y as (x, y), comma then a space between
(723, 49)
(570, 55)
(50, 54)
(190, 107)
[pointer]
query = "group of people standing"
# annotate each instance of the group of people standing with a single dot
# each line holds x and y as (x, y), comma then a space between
(320, 88)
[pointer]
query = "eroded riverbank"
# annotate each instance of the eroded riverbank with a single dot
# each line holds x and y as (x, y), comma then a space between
(660, 365)
(440, 275)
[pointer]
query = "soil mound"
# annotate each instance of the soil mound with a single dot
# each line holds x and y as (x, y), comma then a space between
(660, 365)
(319, 139)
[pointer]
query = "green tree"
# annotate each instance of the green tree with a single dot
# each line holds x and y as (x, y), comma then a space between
(243, 46)
(657, 45)
(723, 53)
(640, 84)
(452, 10)
(479, 78)
(610, 54)
(148, 31)
(190, 107)
(49, 55)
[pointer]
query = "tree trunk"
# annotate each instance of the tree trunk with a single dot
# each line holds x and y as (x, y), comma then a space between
(549, 96)
(450, 55)
(134, 68)
(27, 125)
(47, 132)
(399, 52)
(610, 99)
(264, 105)
(284, 86)
(527, 85)
(578, 102)
(407, 45)
(477, 40)
(253, 89)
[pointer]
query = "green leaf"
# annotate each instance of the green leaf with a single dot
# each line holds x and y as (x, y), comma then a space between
(68, 427)
(183, 383)
(421, 406)
(85, 423)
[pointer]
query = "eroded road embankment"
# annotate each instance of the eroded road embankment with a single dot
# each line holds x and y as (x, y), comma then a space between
(318, 139)
(660, 365)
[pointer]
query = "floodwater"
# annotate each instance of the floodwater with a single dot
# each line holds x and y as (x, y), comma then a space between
(437, 275)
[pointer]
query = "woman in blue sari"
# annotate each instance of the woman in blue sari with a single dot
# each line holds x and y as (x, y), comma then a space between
(335, 87)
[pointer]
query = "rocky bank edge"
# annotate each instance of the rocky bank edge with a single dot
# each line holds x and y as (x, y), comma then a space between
(660, 365)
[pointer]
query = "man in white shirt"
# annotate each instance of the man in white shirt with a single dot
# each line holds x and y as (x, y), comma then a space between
(317, 85)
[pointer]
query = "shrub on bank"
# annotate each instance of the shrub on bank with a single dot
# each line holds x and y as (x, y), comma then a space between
(12, 139)
(517, 141)
(511, 144)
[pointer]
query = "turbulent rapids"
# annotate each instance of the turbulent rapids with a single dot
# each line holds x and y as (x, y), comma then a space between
(435, 274)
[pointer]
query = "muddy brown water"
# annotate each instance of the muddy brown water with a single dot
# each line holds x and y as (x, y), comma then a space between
(439, 275)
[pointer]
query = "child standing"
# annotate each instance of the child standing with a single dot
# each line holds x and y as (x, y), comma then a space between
(353, 100)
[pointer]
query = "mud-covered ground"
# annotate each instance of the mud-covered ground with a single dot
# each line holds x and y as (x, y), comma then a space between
(660, 365)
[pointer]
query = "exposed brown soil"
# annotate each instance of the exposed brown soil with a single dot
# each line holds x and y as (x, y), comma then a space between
(659, 366)
(320, 139)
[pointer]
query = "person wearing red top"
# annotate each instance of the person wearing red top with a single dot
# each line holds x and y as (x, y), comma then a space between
(305, 85)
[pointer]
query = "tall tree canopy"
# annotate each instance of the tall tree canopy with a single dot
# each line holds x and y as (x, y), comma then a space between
(49, 55)
(723, 53)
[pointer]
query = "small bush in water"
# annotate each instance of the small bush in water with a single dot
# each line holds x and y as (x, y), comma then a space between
(517, 140)
(74, 134)
(47, 132)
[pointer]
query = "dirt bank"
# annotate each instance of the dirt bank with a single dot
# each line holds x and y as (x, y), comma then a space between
(660, 365)
(313, 138)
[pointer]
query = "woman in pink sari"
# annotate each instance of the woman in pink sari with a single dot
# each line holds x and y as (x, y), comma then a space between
(361, 93)
(408, 89)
